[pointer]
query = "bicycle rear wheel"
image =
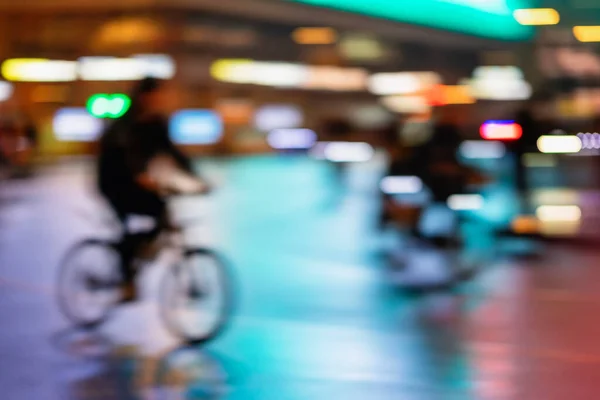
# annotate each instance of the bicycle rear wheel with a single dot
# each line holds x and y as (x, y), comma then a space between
(89, 282)
(196, 297)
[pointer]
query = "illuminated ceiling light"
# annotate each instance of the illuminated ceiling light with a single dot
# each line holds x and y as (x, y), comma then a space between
(233, 70)
(501, 130)
(108, 105)
(6, 90)
(315, 36)
(292, 139)
(537, 16)
(336, 79)
(587, 34)
(39, 70)
(465, 202)
(555, 144)
(110, 69)
(401, 185)
(160, 66)
(383, 84)
(568, 213)
(476, 149)
(76, 125)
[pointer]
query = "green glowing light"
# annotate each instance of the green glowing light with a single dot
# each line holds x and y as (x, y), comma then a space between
(486, 18)
(108, 105)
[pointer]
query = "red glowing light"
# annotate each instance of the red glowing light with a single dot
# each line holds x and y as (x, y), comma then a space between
(501, 130)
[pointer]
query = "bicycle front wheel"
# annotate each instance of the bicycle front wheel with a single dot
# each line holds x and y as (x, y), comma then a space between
(196, 297)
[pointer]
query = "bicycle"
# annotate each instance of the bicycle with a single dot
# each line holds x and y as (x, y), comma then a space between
(100, 279)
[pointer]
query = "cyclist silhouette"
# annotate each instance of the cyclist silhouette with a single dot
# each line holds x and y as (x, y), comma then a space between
(127, 149)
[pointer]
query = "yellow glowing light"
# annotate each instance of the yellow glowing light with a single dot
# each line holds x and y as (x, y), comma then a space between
(525, 225)
(39, 70)
(559, 144)
(587, 33)
(233, 70)
(457, 94)
(537, 16)
(315, 36)
(569, 213)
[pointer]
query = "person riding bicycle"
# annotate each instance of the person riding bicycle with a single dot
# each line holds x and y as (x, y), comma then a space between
(128, 149)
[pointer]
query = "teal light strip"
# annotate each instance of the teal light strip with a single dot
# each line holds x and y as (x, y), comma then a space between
(484, 18)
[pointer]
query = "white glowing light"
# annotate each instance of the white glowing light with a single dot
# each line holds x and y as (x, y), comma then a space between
(555, 144)
(278, 116)
(6, 90)
(160, 66)
(348, 152)
(384, 84)
(476, 149)
(567, 213)
(138, 67)
(292, 139)
(465, 202)
(76, 125)
(401, 185)
(499, 83)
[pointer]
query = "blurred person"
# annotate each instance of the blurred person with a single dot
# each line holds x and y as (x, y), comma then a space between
(526, 119)
(436, 163)
(132, 150)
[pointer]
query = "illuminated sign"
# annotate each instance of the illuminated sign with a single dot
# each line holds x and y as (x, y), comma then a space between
(76, 125)
(292, 139)
(39, 70)
(6, 90)
(501, 130)
(271, 117)
(487, 18)
(402, 82)
(108, 105)
(196, 127)
(559, 144)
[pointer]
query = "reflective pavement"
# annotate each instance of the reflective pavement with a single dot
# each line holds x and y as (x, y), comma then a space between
(316, 316)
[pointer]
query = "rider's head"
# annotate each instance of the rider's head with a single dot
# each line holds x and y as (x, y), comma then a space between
(147, 98)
